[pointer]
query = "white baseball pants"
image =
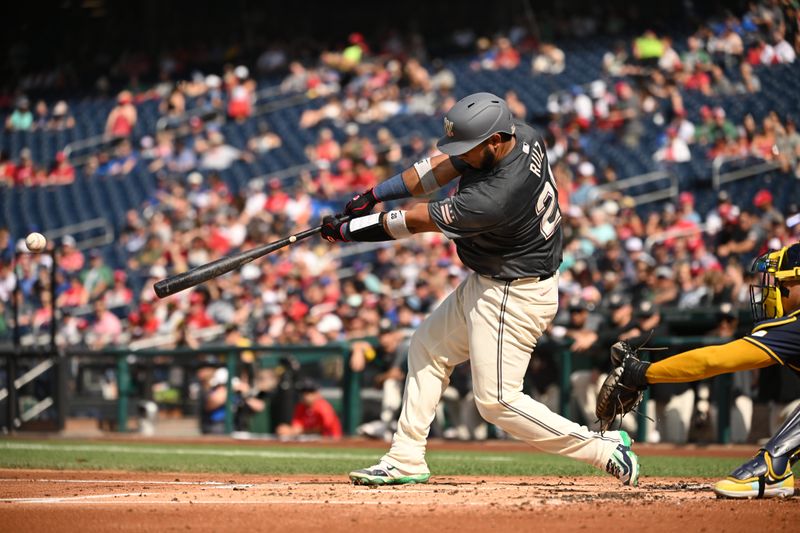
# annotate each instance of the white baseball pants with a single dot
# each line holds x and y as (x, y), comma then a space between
(495, 324)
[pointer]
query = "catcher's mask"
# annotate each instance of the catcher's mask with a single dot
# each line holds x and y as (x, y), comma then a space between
(775, 267)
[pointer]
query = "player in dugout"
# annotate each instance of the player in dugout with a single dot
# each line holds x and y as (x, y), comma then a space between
(775, 339)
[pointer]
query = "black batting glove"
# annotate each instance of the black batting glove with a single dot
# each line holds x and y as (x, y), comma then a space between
(334, 230)
(361, 204)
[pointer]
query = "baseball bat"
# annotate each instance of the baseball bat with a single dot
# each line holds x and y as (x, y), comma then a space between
(203, 273)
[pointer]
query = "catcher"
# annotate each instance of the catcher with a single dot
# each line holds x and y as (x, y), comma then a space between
(775, 339)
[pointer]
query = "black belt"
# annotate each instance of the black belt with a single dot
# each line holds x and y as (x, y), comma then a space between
(541, 278)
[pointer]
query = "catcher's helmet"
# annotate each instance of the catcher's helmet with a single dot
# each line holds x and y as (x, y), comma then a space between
(472, 120)
(775, 267)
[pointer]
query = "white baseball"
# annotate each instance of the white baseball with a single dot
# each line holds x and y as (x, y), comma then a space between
(35, 242)
(292, 238)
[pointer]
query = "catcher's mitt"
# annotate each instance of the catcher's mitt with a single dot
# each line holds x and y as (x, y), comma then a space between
(623, 388)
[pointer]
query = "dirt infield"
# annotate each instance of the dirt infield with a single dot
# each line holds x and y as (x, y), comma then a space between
(46, 500)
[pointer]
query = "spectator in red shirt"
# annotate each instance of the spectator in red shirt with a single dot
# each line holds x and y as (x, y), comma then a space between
(313, 415)
(7, 169)
(507, 57)
(72, 259)
(25, 171)
(197, 317)
(327, 148)
(62, 172)
(277, 198)
(123, 117)
(240, 95)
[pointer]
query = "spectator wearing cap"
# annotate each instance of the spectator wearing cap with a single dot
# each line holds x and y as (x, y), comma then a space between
(21, 119)
(745, 239)
(61, 118)
(214, 396)
(665, 290)
(97, 278)
(123, 117)
(769, 213)
(197, 317)
(686, 209)
(313, 415)
(585, 189)
(718, 217)
(241, 94)
(70, 259)
(585, 384)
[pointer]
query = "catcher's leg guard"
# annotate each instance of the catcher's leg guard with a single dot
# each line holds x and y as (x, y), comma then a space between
(769, 473)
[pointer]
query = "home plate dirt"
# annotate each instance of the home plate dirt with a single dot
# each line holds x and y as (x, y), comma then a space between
(45, 500)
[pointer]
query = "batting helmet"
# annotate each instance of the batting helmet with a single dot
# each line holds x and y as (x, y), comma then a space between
(472, 120)
(775, 267)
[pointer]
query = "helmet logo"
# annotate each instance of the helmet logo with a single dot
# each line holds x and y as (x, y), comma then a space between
(448, 127)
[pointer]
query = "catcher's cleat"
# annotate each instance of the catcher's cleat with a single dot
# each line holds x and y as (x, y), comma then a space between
(623, 463)
(385, 474)
(761, 477)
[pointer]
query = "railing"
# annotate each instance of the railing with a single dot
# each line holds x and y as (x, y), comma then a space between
(83, 227)
(718, 179)
(177, 122)
(662, 236)
(351, 385)
(123, 358)
(87, 144)
(669, 192)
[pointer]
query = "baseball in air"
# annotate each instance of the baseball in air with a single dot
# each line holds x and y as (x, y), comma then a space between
(292, 238)
(35, 242)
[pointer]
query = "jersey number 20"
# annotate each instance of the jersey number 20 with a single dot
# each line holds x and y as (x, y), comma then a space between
(547, 207)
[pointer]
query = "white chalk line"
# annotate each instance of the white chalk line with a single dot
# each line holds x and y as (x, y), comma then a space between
(67, 499)
(266, 454)
(383, 503)
(215, 484)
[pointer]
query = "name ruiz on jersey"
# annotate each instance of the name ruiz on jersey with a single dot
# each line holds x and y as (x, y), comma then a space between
(537, 157)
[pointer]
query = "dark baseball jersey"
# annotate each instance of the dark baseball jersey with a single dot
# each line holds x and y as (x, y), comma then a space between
(505, 221)
(780, 339)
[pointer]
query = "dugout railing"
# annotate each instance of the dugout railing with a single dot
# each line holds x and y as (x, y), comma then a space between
(123, 360)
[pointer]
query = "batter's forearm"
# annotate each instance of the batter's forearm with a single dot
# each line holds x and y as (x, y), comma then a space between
(429, 174)
(707, 362)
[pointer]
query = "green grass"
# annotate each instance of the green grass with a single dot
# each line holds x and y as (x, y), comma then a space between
(277, 459)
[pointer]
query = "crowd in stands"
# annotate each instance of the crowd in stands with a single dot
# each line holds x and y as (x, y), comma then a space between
(615, 257)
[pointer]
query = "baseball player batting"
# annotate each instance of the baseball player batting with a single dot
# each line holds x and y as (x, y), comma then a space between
(775, 339)
(505, 221)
